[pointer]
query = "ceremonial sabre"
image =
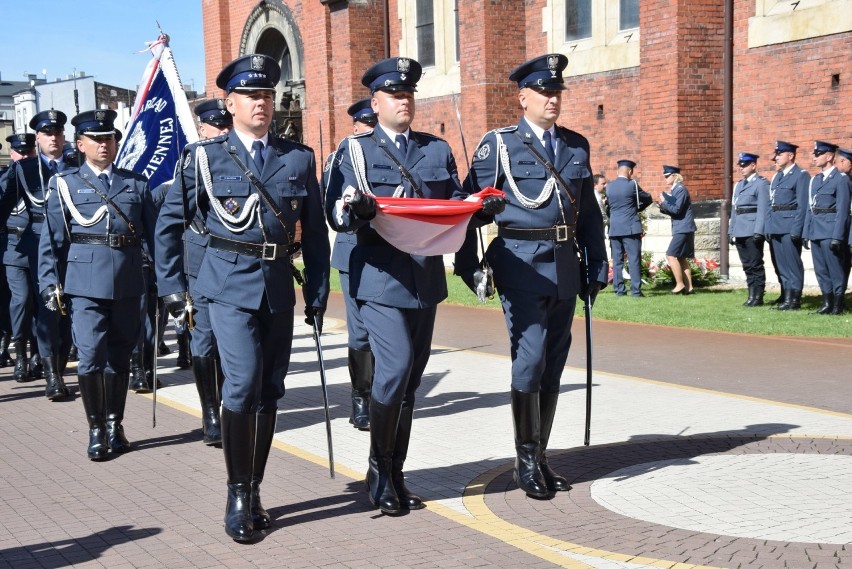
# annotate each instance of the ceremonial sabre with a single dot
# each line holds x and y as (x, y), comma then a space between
(324, 397)
(588, 310)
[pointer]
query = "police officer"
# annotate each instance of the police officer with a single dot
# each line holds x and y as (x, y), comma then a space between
(843, 162)
(250, 191)
(827, 226)
(397, 293)
(626, 199)
(97, 217)
(360, 356)
(749, 206)
(551, 219)
(213, 120)
(677, 204)
(785, 222)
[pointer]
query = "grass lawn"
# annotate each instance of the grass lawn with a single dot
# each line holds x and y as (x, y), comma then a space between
(708, 309)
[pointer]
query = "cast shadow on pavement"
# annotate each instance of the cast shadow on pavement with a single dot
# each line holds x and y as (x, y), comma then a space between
(70, 552)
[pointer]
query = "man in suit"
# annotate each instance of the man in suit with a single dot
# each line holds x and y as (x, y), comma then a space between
(749, 206)
(96, 218)
(785, 222)
(550, 221)
(827, 227)
(600, 196)
(397, 292)
(626, 199)
(251, 191)
(360, 356)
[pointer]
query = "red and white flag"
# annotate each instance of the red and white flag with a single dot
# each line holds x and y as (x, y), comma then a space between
(427, 226)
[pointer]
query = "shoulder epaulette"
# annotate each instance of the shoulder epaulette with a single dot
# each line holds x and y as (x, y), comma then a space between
(510, 128)
(360, 134)
(213, 140)
(71, 170)
(281, 140)
(131, 174)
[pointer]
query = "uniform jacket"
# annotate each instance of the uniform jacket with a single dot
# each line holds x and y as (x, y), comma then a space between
(626, 199)
(378, 271)
(679, 208)
(21, 183)
(545, 267)
(344, 241)
(94, 270)
(788, 191)
(751, 197)
(242, 280)
(828, 193)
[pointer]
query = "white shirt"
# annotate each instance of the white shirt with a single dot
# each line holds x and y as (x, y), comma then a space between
(392, 135)
(248, 139)
(539, 133)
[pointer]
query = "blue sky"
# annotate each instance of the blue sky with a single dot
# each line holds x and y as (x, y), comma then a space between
(98, 37)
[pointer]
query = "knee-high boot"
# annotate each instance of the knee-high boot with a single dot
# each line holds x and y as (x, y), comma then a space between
(36, 367)
(92, 392)
(22, 364)
(115, 395)
(204, 370)
(184, 355)
(547, 403)
(238, 435)
(138, 381)
(361, 375)
(526, 415)
(5, 358)
(400, 452)
(383, 424)
(56, 388)
(262, 444)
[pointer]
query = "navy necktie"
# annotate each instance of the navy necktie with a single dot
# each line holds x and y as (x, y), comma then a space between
(257, 147)
(104, 181)
(402, 144)
(52, 166)
(548, 147)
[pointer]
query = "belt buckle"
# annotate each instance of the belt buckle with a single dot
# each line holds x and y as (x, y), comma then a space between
(113, 240)
(269, 251)
(561, 232)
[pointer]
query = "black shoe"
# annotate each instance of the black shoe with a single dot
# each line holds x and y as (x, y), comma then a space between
(238, 522)
(22, 364)
(73, 356)
(56, 388)
(827, 304)
(138, 380)
(163, 349)
(36, 367)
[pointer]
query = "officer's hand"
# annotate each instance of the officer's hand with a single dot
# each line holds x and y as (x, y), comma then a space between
(836, 246)
(590, 291)
(312, 312)
(51, 300)
(732, 240)
(797, 240)
(363, 205)
(806, 244)
(492, 205)
(175, 304)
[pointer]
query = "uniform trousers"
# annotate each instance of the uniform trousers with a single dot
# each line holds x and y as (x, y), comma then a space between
(255, 352)
(828, 267)
(401, 340)
(105, 332)
(359, 339)
(22, 303)
(751, 257)
(788, 256)
(202, 341)
(148, 313)
(540, 334)
(632, 245)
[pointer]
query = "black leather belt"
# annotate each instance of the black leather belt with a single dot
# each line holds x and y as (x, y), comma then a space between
(556, 233)
(740, 210)
(266, 251)
(824, 209)
(16, 231)
(789, 207)
(37, 217)
(116, 241)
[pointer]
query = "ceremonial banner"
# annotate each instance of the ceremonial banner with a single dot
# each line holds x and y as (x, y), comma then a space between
(161, 123)
(427, 226)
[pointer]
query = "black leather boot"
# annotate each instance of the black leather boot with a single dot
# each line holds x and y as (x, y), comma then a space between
(361, 376)
(750, 298)
(5, 358)
(400, 452)
(56, 388)
(148, 363)
(795, 300)
(547, 404)
(238, 435)
(22, 364)
(204, 370)
(839, 306)
(262, 444)
(790, 300)
(36, 367)
(781, 298)
(827, 303)
(526, 416)
(72, 353)
(115, 395)
(162, 348)
(383, 424)
(184, 355)
(92, 392)
(758, 295)
(138, 381)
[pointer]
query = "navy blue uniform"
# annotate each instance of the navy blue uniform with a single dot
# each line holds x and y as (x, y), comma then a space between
(397, 293)
(679, 207)
(785, 223)
(626, 199)
(827, 220)
(749, 208)
(251, 298)
(539, 279)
